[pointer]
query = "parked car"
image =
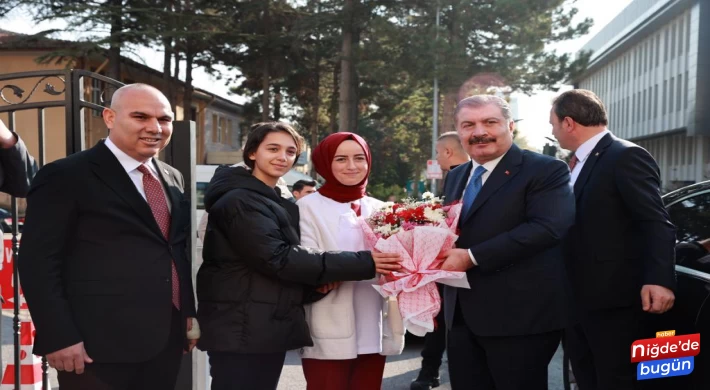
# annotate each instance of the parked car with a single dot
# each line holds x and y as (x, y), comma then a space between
(689, 210)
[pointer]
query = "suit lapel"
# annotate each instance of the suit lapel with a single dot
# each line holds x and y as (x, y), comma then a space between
(460, 183)
(506, 169)
(174, 195)
(107, 168)
(589, 164)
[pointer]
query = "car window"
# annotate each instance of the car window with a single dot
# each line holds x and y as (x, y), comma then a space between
(691, 217)
(200, 189)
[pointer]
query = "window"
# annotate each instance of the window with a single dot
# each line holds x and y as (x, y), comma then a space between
(655, 101)
(680, 37)
(687, 34)
(215, 125)
(644, 104)
(685, 95)
(200, 190)
(690, 145)
(692, 219)
(664, 97)
(673, 41)
(665, 46)
(679, 93)
(658, 49)
(670, 95)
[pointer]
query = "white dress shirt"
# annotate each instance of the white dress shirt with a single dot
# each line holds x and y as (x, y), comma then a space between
(131, 166)
(583, 152)
(490, 166)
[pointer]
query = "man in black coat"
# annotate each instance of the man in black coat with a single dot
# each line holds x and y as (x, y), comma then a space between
(620, 252)
(103, 263)
(517, 206)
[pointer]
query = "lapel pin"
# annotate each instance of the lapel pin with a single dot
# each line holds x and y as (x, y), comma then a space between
(596, 154)
(166, 171)
(507, 172)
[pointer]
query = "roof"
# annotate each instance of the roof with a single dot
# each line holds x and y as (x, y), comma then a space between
(10, 40)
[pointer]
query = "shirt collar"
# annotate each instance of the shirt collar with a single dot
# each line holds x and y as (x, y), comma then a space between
(127, 162)
(584, 150)
(490, 165)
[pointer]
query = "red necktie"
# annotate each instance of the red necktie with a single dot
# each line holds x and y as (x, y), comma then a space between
(356, 208)
(573, 162)
(159, 206)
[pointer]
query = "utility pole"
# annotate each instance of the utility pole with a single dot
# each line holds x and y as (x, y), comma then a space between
(435, 119)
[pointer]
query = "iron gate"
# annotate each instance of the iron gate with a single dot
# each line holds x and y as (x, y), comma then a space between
(53, 83)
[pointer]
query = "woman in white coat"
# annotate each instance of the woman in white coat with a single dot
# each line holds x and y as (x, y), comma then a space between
(350, 333)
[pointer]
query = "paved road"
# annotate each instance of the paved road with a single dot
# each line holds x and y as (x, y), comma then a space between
(402, 370)
(399, 372)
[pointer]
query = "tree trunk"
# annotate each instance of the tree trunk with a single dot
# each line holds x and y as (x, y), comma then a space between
(451, 99)
(346, 70)
(277, 103)
(316, 106)
(451, 91)
(333, 109)
(187, 97)
(167, 80)
(265, 93)
(266, 76)
(114, 51)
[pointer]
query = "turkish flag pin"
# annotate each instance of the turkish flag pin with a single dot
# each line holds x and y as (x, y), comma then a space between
(507, 172)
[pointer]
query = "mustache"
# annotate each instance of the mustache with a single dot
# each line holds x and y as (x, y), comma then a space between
(481, 139)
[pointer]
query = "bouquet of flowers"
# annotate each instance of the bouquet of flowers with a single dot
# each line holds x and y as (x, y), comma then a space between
(420, 231)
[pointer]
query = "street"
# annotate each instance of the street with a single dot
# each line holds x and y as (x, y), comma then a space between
(399, 372)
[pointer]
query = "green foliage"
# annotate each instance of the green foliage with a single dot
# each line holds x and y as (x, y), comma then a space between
(383, 191)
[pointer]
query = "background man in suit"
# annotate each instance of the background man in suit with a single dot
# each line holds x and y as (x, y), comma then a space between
(621, 245)
(103, 263)
(302, 188)
(16, 165)
(449, 154)
(517, 206)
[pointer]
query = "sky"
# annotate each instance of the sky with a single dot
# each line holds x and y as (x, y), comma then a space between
(533, 110)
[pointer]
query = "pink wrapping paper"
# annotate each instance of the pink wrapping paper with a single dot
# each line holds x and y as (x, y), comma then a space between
(421, 250)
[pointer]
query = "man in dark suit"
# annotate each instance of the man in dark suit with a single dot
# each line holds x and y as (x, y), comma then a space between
(103, 261)
(449, 154)
(16, 164)
(620, 252)
(517, 206)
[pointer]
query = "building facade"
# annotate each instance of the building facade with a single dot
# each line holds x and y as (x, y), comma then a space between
(651, 67)
(218, 120)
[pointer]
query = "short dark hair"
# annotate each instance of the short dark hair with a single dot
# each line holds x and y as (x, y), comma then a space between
(298, 186)
(583, 106)
(259, 131)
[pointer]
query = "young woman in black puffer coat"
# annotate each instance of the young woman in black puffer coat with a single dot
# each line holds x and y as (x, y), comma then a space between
(255, 276)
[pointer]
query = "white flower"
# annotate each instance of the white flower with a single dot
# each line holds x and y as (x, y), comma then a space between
(388, 205)
(427, 195)
(384, 229)
(434, 215)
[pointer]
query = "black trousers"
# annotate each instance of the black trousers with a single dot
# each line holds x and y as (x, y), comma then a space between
(599, 349)
(158, 373)
(498, 363)
(238, 371)
(435, 342)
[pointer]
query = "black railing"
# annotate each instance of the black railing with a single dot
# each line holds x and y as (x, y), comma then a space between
(15, 99)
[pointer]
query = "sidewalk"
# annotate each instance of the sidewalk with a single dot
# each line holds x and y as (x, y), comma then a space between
(399, 372)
